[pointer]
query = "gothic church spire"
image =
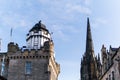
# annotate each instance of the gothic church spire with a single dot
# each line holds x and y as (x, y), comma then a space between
(89, 42)
(89, 66)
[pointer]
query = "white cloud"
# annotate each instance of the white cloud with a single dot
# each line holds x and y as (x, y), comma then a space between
(14, 20)
(65, 9)
(73, 30)
(87, 2)
(77, 8)
(59, 32)
(23, 23)
(63, 32)
(43, 1)
(99, 21)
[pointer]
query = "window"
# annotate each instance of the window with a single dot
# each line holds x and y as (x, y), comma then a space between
(35, 42)
(45, 32)
(113, 76)
(105, 67)
(119, 67)
(109, 77)
(106, 78)
(28, 67)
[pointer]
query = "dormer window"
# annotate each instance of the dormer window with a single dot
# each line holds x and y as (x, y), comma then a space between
(45, 32)
(35, 31)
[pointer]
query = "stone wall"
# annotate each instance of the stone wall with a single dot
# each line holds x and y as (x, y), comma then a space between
(16, 69)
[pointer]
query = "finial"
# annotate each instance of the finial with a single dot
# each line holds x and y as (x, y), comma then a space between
(110, 46)
(107, 51)
(88, 22)
(40, 22)
(98, 56)
(103, 46)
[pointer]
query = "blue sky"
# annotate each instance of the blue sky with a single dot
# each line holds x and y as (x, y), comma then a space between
(67, 20)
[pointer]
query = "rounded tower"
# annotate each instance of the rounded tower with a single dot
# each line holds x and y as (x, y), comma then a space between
(37, 36)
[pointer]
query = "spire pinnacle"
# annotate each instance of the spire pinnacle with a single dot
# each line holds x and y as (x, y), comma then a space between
(40, 22)
(89, 42)
(98, 57)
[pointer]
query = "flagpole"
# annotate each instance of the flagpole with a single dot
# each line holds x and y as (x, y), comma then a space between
(11, 34)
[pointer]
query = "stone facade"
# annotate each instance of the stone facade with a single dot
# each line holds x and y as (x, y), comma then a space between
(30, 63)
(110, 64)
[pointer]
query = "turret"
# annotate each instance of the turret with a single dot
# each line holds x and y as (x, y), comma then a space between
(103, 54)
(104, 58)
(99, 66)
(13, 47)
(49, 48)
(37, 36)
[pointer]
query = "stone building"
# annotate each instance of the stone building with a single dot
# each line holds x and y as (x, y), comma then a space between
(36, 61)
(95, 68)
(110, 63)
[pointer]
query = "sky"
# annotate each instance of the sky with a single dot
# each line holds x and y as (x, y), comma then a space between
(67, 19)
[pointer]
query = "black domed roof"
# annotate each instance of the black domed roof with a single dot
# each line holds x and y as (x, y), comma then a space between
(38, 26)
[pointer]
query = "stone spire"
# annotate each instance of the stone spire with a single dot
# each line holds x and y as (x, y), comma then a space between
(89, 42)
(89, 66)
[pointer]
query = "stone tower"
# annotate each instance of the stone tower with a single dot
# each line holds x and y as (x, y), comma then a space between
(89, 70)
(36, 61)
